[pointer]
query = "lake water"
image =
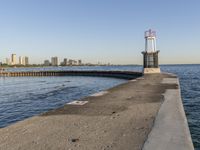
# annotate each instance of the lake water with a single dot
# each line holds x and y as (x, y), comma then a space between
(23, 97)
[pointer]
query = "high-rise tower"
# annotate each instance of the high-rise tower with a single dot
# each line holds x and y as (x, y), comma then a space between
(150, 55)
(54, 61)
(13, 59)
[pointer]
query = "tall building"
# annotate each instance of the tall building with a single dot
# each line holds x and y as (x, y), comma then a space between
(23, 60)
(54, 61)
(26, 60)
(8, 61)
(20, 60)
(79, 62)
(65, 62)
(70, 62)
(46, 63)
(74, 62)
(13, 59)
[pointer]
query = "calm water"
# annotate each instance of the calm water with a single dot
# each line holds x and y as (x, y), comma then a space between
(24, 96)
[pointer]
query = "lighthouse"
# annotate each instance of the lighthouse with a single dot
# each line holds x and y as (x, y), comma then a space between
(150, 55)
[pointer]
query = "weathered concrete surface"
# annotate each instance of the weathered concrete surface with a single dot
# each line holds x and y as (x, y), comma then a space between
(170, 130)
(119, 119)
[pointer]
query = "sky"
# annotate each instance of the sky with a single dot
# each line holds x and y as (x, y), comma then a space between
(107, 31)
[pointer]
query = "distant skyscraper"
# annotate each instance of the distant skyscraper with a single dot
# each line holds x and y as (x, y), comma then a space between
(79, 62)
(75, 62)
(65, 62)
(46, 63)
(23, 60)
(70, 62)
(54, 61)
(26, 60)
(7, 61)
(13, 59)
(20, 60)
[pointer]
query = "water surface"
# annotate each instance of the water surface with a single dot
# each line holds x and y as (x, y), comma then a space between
(23, 97)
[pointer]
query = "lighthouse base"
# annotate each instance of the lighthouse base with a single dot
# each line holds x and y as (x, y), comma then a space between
(151, 70)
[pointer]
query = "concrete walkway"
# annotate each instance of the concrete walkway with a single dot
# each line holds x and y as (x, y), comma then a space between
(170, 130)
(118, 119)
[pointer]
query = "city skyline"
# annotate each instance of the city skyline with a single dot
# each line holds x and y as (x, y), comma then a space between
(15, 60)
(100, 31)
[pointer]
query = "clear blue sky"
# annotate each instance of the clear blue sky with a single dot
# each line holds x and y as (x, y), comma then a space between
(99, 30)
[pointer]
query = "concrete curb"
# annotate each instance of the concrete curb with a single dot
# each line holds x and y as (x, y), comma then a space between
(170, 130)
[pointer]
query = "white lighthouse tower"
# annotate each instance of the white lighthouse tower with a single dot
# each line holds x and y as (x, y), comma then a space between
(150, 55)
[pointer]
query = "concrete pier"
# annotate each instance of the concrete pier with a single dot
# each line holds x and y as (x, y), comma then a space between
(121, 118)
(171, 123)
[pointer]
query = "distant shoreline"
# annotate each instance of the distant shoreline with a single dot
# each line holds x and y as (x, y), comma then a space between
(42, 66)
(37, 66)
